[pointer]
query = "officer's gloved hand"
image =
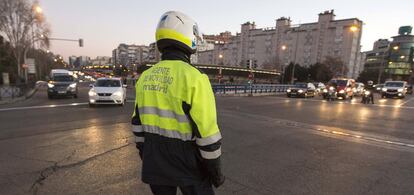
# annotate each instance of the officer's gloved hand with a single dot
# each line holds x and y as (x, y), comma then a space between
(218, 180)
(214, 172)
(140, 148)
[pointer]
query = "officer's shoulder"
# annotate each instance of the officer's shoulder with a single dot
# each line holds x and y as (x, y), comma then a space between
(192, 68)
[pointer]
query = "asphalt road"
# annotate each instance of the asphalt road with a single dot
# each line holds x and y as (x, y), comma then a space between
(271, 145)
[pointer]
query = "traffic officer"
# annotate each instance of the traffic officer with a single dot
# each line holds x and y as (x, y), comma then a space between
(174, 121)
(370, 87)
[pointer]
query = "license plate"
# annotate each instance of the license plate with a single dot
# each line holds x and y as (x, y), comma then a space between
(61, 92)
(104, 98)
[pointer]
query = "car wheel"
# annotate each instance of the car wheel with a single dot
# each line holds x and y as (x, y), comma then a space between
(91, 105)
(75, 96)
(50, 97)
(288, 96)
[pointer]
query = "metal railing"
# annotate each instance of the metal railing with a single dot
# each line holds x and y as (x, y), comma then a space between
(250, 89)
(9, 92)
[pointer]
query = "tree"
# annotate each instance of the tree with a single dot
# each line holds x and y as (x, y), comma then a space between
(22, 23)
(370, 75)
(320, 72)
(7, 61)
(336, 65)
(301, 73)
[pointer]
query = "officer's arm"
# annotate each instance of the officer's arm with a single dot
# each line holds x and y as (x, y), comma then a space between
(137, 130)
(208, 136)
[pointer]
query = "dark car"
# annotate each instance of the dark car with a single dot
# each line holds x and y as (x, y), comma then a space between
(302, 90)
(378, 87)
(62, 85)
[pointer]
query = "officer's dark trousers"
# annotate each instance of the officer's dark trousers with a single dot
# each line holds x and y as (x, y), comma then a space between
(186, 190)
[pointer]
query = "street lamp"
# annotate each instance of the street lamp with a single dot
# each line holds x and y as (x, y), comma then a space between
(283, 48)
(353, 28)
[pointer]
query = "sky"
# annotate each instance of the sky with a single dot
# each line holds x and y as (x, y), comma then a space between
(104, 24)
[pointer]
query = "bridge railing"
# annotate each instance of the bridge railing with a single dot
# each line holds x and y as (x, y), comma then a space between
(250, 89)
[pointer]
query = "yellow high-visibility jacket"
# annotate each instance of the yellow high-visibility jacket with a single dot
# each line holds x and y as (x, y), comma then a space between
(175, 124)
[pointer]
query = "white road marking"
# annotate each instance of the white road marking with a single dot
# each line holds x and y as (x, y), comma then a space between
(338, 132)
(49, 106)
(43, 106)
(355, 102)
(407, 101)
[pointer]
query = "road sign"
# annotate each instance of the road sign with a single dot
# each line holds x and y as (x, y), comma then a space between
(31, 67)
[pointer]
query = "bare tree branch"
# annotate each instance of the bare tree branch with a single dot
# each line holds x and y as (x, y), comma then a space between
(22, 26)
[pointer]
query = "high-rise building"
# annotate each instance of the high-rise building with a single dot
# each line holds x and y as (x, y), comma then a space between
(376, 59)
(401, 55)
(101, 60)
(129, 55)
(72, 61)
(304, 44)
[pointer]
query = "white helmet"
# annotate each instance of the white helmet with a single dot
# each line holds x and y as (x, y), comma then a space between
(370, 82)
(178, 30)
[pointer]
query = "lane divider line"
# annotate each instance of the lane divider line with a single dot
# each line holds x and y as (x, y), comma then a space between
(50, 106)
(327, 131)
(353, 103)
(407, 101)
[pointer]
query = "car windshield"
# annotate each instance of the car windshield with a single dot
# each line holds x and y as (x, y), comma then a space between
(63, 78)
(301, 85)
(394, 84)
(108, 83)
(341, 82)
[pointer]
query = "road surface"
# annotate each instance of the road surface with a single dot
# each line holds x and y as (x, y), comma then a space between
(271, 145)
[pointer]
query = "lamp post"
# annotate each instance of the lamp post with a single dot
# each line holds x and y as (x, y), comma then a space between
(382, 64)
(294, 58)
(283, 48)
(220, 70)
(353, 29)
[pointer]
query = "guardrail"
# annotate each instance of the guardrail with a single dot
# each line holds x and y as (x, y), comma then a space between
(10, 92)
(250, 89)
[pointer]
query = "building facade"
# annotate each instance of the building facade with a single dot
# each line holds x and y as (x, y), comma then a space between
(129, 55)
(304, 44)
(401, 60)
(376, 59)
(101, 60)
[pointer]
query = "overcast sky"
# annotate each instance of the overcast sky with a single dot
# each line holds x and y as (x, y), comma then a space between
(103, 24)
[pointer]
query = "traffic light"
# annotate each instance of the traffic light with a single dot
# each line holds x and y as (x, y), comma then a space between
(80, 42)
(247, 63)
(255, 64)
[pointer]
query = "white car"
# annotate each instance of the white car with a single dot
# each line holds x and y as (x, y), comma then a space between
(107, 91)
(394, 89)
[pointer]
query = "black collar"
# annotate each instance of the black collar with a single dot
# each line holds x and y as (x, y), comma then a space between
(175, 54)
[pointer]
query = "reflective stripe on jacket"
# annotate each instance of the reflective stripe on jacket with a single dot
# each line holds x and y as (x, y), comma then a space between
(175, 123)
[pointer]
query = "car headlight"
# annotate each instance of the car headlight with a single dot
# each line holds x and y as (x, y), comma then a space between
(341, 91)
(118, 93)
(384, 89)
(288, 90)
(331, 88)
(366, 92)
(400, 90)
(378, 88)
(73, 85)
(325, 90)
(50, 85)
(92, 93)
(300, 91)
